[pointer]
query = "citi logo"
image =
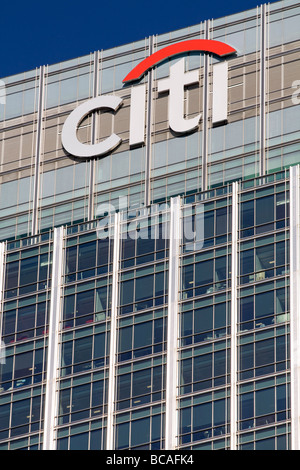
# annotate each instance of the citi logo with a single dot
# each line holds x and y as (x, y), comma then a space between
(174, 85)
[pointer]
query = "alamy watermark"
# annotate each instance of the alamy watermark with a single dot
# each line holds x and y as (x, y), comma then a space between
(296, 93)
(150, 223)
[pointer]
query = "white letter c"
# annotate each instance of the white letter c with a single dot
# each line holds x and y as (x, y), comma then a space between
(69, 138)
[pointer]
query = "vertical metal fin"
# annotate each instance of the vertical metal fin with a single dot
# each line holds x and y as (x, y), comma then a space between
(113, 336)
(51, 401)
(171, 424)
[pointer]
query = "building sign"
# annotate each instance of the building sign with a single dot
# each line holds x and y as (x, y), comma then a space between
(175, 85)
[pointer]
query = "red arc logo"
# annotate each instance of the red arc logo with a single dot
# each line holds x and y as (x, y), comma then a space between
(201, 45)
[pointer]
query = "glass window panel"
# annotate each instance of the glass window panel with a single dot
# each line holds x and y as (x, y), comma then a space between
(204, 272)
(69, 306)
(158, 330)
(79, 441)
(157, 378)
(185, 420)
(124, 387)
(86, 255)
(81, 397)
(202, 417)
(264, 257)
(64, 401)
(221, 221)
(28, 270)
(247, 308)
(122, 436)
(203, 366)
(12, 272)
(99, 345)
(203, 319)
(159, 284)
(141, 382)
(97, 393)
(7, 369)
(265, 444)
(188, 276)
(4, 416)
(67, 349)
(71, 258)
(85, 303)
(280, 253)
(219, 412)
(264, 210)
(102, 252)
(219, 363)
(101, 299)
(23, 364)
(125, 339)
(208, 224)
(26, 318)
(186, 371)
(83, 349)
(140, 431)
(221, 268)
(176, 150)
(281, 351)
(247, 262)
(144, 288)
(96, 440)
(145, 245)
(156, 428)
(281, 397)
(265, 401)
(264, 304)
(264, 352)
(187, 324)
(20, 412)
(143, 334)
(127, 292)
(246, 356)
(9, 322)
(220, 315)
(247, 405)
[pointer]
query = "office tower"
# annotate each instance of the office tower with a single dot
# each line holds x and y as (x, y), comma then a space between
(149, 256)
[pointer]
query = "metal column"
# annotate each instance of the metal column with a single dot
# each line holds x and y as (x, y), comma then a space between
(295, 304)
(93, 138)
(205, 112)
(233, 323)
(2, 279)
(263, 91)
(38, 142)
(149, 130)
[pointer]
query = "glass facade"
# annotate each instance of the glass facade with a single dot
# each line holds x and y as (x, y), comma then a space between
(148, 298)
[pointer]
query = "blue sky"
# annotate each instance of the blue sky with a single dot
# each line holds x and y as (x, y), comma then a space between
(38, 32)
